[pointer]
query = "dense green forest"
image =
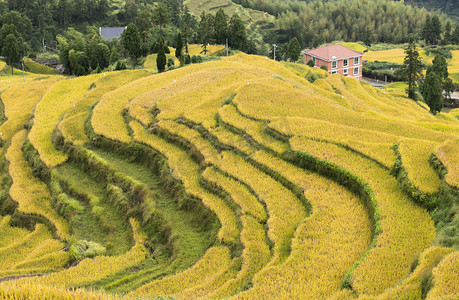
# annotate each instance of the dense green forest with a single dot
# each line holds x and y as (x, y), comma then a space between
(449, 7)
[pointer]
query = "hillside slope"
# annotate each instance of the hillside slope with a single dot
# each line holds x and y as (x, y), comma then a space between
(236, 178)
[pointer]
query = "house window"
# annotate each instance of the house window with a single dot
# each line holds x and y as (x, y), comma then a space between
(356, 60)
(334, 64)
(345, 71)
(345, 62)
(333, 72)
(314, 60)
(356, 71)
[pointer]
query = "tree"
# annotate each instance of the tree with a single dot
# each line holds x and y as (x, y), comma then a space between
(179, 46)
(161, 58)
(436, 29)
(187, 28)
(412, 67)
(294, 49)
(440, 68)
(161, 16)
(238, 35)
(11, 50)
(221, 27)
(431, 91)
(447, 34)
(206, 30)
(143, 22)
(427, 30)
(455, 35)
(131, 42)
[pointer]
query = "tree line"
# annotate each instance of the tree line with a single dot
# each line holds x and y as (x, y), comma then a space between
(318, 22)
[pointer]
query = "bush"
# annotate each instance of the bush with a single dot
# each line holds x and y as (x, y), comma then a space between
(311, 63)
(170, 62)
(324, 67)
(85, 249)
(195, 59)
(187, 59)
(120, 66)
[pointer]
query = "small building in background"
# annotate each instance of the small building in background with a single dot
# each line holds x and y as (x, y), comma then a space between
(337, 59)
(109, 33)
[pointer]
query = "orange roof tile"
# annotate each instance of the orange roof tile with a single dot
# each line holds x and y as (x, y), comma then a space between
(332, 52)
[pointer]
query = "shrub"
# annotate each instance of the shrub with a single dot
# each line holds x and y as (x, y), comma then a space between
(85, 249)
(170, 62)
(311, 63)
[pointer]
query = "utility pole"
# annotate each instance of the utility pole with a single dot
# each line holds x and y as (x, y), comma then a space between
(274, 47)
(385, 84)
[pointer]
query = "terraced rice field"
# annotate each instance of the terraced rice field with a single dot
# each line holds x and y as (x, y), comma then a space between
(236, 178)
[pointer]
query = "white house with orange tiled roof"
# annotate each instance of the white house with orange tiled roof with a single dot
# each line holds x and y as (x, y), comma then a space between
(337, 59)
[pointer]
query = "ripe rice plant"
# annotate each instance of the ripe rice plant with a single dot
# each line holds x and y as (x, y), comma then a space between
(284, 216)
(30, 193)
(186, 170)
(18, 112)
(240, 194)
(242, 178)
(332, 207)
(20, 254)
(93, 269)
(72, 125)
(406, 229)
(230, 115)
(415, 156)
(256, 255)
(447, 153)
(193, 137)
(216, 260)
(9, 234)
(446, 278)
(62, 96)
(411, 287)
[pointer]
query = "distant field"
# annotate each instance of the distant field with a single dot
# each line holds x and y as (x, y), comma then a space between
(354, 46)
(37, 68)
(397, 56)
(251, 17)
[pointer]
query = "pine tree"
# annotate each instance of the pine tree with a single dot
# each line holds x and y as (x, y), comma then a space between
(440, 68)
(436, 29)
(447, 34)
(412, 67)
(179, 46)
(161, 58)
(455, 35)
(131, 42)
(187, 31)
(161, 16)
(238, 35)
(427, 30)
(206, 30)
(431, 91)
(294, 49)
(221, 27)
